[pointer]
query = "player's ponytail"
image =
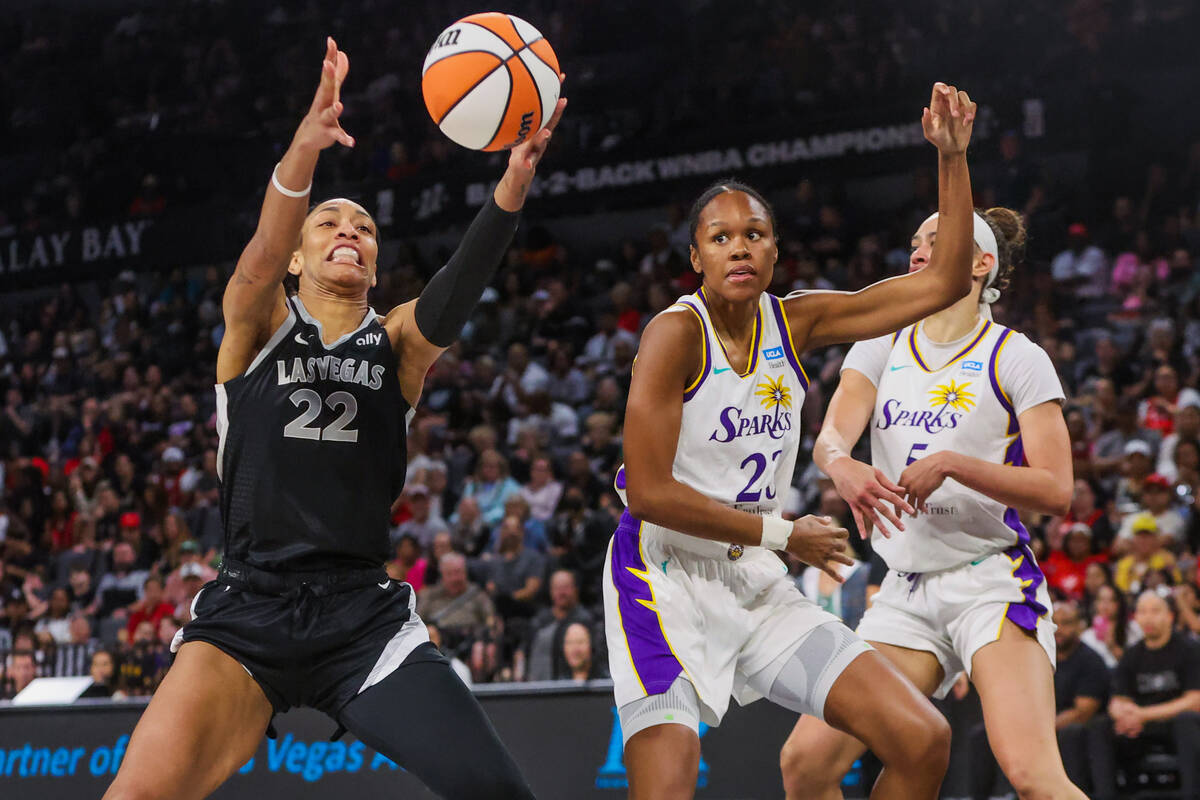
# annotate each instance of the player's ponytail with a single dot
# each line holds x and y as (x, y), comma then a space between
(1009, 228)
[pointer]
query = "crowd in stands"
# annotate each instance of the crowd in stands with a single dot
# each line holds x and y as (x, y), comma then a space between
(109, 497)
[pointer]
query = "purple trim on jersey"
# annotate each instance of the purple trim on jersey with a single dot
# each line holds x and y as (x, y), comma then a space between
(1014, 456)
(785, 335)
(707, 366)
(912, 345)
(653, 660)
(755, 340)
(1014, 427)
(619, 481)
(1026, 613)
(1013, 520)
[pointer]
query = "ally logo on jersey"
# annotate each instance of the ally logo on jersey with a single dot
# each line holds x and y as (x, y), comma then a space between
(775, 397)
(950, 402)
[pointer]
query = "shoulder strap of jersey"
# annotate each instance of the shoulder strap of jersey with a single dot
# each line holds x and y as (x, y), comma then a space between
(705, 345)
(994, 379)
(789, 344)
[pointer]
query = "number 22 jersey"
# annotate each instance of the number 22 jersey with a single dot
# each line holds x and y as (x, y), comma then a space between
(313, 448)
(965, 397)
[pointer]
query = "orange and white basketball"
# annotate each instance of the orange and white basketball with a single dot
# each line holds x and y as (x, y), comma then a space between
(490, 81)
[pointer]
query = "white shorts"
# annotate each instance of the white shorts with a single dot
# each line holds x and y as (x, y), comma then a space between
(670, 610)
(952, 613)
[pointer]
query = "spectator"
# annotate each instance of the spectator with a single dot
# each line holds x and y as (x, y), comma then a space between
(192, 578)
(1081, 692)
(468, 527)
(1187, 428)
(1156, 700)
(54, 627)
(122, 586)
(1146, 555)
(577, 655)
(514, 576)
(73, 657)
(423, 524)
(1135, 469)
(1157, 413)
(535, 530)
(1066, 569)
(491, 486)
(846, 600)
(464, 613)
(1082, 267)
(101, 671)
(1111, 631)
(176, 588)
(542, 493)
(1084, 509)
(408, 565)
(151, 608)
(548, 625)
(22, 669)
(1156, 498)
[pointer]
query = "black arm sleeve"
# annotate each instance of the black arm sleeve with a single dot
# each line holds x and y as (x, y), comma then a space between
(451, 295)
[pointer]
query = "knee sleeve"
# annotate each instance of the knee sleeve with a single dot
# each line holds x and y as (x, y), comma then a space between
(679, 705)
(800, 680)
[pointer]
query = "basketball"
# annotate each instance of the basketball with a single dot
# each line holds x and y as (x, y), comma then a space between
(490, 81)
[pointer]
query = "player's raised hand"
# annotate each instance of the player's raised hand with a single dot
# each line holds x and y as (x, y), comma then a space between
(949, 119)
(524, 157)
(321, 127)
(818, 542)
(869, 494)
(523, 160)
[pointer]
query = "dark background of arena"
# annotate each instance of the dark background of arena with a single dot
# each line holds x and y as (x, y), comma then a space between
(138, 139)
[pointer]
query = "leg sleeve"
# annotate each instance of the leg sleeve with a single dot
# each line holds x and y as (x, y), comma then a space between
(426, 720)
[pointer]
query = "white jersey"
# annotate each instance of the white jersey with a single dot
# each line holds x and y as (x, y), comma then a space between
(962, 396)
(740, 431)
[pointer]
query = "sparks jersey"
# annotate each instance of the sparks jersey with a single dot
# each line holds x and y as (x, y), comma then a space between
(965, 399)
(312, 448)
(740, 430)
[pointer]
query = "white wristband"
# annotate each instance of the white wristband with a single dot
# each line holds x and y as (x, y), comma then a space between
(775, 533)
(287, 192)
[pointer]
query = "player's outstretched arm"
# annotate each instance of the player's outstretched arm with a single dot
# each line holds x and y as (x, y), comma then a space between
(864, 488)
(823, 318)
(253, 302)
(431, 323)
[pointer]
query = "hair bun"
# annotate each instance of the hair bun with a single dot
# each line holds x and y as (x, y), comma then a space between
(1010, 225)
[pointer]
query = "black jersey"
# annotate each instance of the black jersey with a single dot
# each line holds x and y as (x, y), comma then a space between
(313, 448)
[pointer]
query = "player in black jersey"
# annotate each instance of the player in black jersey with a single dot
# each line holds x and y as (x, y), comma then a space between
(313, 393)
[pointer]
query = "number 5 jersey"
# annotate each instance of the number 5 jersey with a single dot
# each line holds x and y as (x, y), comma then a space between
(963, 396)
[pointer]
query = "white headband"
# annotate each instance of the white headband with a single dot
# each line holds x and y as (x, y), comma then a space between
(986, 240)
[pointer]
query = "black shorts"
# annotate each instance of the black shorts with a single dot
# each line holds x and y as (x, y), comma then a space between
(311, 640)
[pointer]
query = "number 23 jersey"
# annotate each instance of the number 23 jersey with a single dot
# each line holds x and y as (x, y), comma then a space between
(313, 448)
(965, 397)
(740, 431)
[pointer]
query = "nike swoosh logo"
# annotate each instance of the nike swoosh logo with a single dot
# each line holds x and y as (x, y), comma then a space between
(719, 370)
(299, 337)
(384, 585)
(904, 366)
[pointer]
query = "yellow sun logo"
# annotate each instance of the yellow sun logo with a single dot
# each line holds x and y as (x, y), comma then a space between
(774, 394)
(955, 395)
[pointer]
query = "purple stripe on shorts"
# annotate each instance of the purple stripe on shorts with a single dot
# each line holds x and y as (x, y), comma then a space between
(1013, 520)
(655, 664)
(1026, 613)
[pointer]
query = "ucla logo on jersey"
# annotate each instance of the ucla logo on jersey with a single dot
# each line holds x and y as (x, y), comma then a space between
(972, 366)
(950, 401)
(774, 356)
(775, 397)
